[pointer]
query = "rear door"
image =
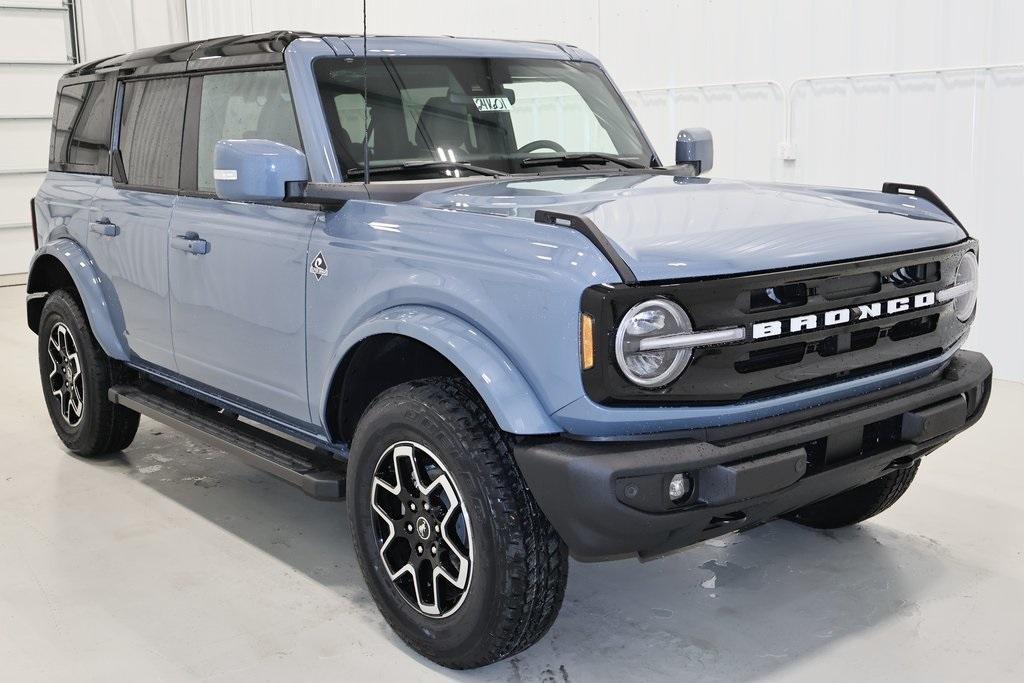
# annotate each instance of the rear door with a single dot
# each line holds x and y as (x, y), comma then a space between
(128, 230)
(238, 310)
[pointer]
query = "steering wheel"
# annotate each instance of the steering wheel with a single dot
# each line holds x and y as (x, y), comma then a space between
(541, 144)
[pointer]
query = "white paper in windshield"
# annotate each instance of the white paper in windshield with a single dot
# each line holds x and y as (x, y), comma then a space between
(492, 103)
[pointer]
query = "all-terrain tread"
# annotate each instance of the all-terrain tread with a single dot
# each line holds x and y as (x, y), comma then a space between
(856, 505)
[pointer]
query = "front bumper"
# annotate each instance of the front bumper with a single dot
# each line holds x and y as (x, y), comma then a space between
(609, 499)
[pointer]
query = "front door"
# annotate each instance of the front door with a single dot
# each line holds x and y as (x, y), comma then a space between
(238, 300)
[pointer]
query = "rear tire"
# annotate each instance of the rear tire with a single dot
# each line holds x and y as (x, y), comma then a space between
(76, 375)
(479, 516)
(856, 505)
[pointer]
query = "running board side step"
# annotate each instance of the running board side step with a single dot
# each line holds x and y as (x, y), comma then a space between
(301, 466)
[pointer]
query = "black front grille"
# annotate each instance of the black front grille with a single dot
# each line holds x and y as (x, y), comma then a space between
(758, 368)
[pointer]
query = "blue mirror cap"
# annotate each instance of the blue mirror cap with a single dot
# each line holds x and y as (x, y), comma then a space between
(256, 170)
(695, 146)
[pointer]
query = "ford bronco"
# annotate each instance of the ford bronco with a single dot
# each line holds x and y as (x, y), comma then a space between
(450, 281)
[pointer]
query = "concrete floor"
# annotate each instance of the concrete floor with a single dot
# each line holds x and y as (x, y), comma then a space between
(174, 561)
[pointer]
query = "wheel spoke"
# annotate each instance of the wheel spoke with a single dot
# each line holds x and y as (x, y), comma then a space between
(65, 405)
(75, 401)
(54, 352)
(77, 372)
(379, 483)
(62, 341)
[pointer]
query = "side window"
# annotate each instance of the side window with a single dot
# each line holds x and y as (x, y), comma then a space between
(69, 103)
(81, 133)
(243, 105)
(152, 118)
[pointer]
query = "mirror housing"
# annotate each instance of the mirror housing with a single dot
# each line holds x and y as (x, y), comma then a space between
(256, 170)
(695, 146)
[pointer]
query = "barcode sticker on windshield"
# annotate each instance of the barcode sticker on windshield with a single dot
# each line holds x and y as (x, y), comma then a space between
(492, 103)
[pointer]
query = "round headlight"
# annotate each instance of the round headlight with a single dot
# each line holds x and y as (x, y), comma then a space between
(966, 273)
(654, 318)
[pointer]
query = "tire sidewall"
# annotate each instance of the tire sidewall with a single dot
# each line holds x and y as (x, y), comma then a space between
(60, 308)
(387, 422)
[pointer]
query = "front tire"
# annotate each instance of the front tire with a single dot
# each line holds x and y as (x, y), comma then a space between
(458, 557)
(858, 504)
(76, 375)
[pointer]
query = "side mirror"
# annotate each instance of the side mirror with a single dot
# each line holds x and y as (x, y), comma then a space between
(256, 170)
(694, 146)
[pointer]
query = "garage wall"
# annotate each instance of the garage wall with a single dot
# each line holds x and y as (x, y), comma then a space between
(36, 49)
(111, 27)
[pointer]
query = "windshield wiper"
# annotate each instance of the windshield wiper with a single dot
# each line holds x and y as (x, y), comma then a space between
(579, 159)
(429, 165)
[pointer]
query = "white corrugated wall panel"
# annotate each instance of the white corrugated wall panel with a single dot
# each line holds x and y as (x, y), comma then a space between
(111, 27)
(572, 21)
(25, 143)
(33, 54)
(31, 34)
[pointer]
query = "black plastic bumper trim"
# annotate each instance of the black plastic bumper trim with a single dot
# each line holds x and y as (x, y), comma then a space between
(589, 229)
(925, 193)
(575, 483)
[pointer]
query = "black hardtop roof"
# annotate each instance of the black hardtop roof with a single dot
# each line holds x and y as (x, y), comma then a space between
(230, 52)
(239, 51)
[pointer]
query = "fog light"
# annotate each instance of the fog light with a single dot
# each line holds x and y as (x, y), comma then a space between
(679, 487)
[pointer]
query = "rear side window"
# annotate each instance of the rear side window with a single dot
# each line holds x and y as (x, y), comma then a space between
(81, 131)
(243, 105)
(152, 118)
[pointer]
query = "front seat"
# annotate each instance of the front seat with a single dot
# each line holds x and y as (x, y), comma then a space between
(445, 124)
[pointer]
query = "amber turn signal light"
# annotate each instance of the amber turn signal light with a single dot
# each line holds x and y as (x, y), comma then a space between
(586, 341)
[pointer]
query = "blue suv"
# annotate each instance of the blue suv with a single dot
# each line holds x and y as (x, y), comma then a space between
(450, 281)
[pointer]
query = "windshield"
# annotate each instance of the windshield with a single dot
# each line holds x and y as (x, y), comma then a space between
(431, 117)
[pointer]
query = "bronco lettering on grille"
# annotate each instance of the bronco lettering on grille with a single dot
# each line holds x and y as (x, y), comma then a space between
(841, 316)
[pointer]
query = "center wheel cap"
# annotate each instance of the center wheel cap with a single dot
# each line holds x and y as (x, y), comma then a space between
(423, 528)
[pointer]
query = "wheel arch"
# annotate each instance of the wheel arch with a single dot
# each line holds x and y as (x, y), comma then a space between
(64, 264)
(412, 342)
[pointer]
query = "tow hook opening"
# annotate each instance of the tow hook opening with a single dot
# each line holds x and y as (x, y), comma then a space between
(902, 463)
(732, 519)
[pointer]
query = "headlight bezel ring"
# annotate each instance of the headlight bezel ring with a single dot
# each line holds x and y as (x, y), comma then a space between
(681, 357)
(971, 259)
